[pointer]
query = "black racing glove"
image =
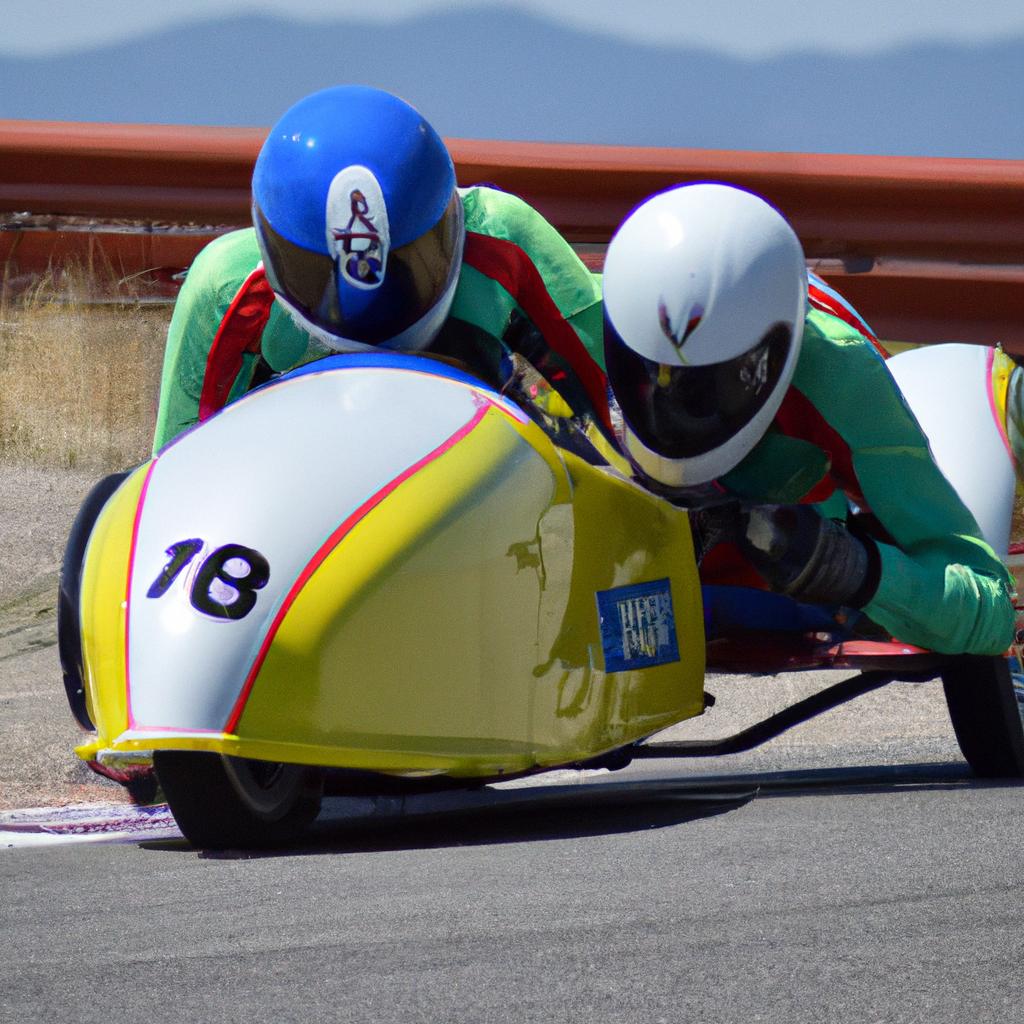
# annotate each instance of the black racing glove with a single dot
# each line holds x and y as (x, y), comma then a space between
(800, 553)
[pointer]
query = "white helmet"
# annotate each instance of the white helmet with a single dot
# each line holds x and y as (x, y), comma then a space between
(705, 288)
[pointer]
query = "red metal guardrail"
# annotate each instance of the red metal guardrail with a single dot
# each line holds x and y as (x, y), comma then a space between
(928, 249)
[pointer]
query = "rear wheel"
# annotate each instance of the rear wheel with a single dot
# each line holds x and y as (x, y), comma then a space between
(986, 707)
(221, 801)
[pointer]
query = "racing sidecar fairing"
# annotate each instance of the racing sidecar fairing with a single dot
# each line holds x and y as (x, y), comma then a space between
(379, 563)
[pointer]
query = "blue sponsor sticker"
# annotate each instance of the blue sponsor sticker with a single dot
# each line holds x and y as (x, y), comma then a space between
(638, 626)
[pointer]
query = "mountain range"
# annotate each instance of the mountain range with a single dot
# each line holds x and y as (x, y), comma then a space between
(499, 73)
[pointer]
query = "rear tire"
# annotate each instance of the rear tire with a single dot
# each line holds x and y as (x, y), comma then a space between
(221, 801)
(986, 710)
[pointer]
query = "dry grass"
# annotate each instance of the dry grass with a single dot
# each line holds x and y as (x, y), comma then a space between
(78, 382)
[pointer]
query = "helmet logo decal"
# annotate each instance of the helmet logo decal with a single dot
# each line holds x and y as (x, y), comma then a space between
(363, 261)
(676, 335)
(358, 234)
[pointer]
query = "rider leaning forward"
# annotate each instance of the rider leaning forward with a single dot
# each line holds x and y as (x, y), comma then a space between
(732, 381)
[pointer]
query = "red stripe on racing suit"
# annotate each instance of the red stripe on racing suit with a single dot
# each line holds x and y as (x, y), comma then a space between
(239, 333)
(826, 299)
(511, 267)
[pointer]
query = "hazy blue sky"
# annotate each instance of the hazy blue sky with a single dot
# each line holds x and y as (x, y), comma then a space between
(750, 28)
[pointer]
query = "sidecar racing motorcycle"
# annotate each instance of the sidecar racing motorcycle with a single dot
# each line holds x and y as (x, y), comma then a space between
(379, 571)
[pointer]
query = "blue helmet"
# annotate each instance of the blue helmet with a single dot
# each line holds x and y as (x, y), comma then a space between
(358, 219)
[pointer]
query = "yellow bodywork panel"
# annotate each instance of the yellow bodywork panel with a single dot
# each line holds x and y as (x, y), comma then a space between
(623, 536)
(104, 610)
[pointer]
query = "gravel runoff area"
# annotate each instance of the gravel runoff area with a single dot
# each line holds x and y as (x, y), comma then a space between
(38, 767)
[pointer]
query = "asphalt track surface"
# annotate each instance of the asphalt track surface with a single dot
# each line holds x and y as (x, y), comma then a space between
(825, 897)
(849, 871)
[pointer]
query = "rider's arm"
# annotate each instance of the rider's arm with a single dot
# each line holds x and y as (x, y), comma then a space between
(539, 274)
(202, 301)
(588, 323)
(526, 304)
(212, 285)
(940, 585)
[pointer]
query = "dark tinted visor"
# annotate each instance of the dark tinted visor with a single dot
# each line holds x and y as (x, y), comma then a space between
(415, 278)
(684, 411)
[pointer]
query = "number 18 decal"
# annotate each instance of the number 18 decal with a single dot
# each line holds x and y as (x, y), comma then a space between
(226, 582)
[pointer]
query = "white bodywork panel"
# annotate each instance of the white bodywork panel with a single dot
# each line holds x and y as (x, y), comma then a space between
(279, 476)
(949, 389)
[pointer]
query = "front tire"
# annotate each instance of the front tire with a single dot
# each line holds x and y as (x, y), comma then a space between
(69, 635)
(220, 801)
(987, 712)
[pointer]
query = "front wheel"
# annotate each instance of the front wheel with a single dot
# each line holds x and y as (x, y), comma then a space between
(221, 801)
(986, 706)
(69, 636)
